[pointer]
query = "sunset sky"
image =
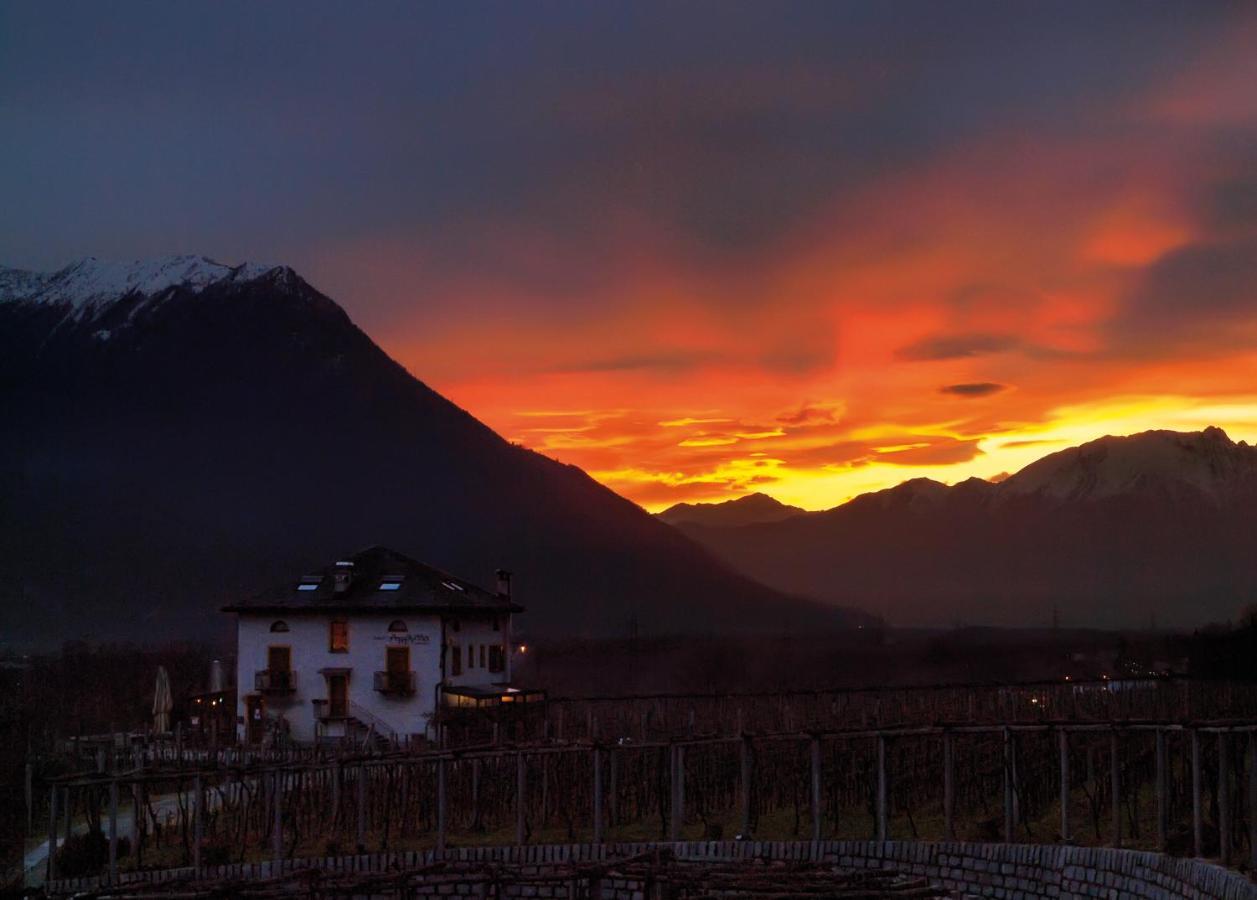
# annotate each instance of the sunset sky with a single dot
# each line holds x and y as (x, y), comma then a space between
(697, 249)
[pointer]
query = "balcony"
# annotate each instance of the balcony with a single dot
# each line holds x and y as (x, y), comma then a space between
(275, 681)
(397, 684)
(324, 713)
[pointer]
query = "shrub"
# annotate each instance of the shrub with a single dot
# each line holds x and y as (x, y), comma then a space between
(87, 854)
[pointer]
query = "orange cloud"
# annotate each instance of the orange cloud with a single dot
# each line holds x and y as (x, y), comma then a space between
(960, 315)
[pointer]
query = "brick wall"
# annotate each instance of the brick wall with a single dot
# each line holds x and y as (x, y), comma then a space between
(1030, 871)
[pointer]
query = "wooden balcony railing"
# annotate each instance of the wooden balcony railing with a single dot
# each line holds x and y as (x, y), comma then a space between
(401, 684)
(275, 681)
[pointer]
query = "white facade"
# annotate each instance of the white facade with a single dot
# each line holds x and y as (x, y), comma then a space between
(314, 666)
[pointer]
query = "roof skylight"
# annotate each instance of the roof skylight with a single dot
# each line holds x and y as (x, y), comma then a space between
(452, 586)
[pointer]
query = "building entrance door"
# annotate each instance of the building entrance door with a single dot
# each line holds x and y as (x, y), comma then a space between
(337, 695)
(255, 718)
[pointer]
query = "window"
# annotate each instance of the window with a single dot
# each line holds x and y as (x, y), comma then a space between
(338, 636)
(454, 625)
(452, 586)
(278, 627)
(279, 659)
(310, 582)
(391, 584)
(397, 660)
(482, 652)
(456, 659)
(471, 656)
(497, 626)
(307, 587)
(497, 658)
(397, 625)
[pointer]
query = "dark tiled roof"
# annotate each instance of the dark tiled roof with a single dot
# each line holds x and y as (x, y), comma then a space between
(420, 587)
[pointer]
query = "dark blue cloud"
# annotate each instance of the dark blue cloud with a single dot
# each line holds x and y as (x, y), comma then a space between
(973, 389)
(275, 130)
(958, 346)
(1203, 294)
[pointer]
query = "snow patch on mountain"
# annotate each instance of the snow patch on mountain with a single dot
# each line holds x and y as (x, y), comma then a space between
(89, 286)
(1208, 461)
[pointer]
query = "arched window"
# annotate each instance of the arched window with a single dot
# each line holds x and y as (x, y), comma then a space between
(279, 626)
(397, 625)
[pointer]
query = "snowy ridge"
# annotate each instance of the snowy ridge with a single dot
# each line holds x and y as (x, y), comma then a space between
(90, 285)
(1208, 461)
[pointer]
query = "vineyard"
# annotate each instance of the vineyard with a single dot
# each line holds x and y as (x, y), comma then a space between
(1026, 765)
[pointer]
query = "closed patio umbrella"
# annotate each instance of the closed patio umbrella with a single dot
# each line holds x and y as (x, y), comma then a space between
(162, 702)
(218, 683)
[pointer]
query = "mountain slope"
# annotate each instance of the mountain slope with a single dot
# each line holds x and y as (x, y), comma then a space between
(185, 432)
(1118, 532)
(746, 510)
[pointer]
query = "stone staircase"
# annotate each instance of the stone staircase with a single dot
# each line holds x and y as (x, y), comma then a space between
(369, 732)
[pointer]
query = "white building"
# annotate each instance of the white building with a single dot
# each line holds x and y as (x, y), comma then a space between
(373, 643)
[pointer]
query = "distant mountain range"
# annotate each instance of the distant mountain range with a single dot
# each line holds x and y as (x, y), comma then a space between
(1156, 528)
(179, 434)
(748, 510)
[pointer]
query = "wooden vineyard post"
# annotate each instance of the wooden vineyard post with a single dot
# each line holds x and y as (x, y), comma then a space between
(949, 788)
(745, 752)
(1063, 741)
(51, 869)
(69, 822)
(1197, 823)
(1016, 780)
(135, 819)
(598, 831)
(113, 831)
(883, 824)
(816, 788)
(521, 787)
(361, 832)
(1115, 789)
(336, 778)
(613, 803)
(1252, 801)
(678, 792)
(197, 818)
(277, 829)
(1224, 800)
(1162, 799)
(1008, 786)
(440, 807)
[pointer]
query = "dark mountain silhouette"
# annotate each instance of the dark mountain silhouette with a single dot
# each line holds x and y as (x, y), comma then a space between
(180, 434)
(746, 510)
(1156, 528)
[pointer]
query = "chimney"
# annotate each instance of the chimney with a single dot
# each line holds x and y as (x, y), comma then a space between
(504, 584)
(343, 575)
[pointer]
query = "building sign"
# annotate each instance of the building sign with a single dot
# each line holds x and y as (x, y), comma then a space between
(405, 638)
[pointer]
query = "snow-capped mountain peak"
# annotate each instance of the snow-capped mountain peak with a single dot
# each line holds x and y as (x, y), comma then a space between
(1208, 461)
(90, 285)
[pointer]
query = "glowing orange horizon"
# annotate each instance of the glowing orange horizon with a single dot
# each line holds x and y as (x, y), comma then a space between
(960, 316)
